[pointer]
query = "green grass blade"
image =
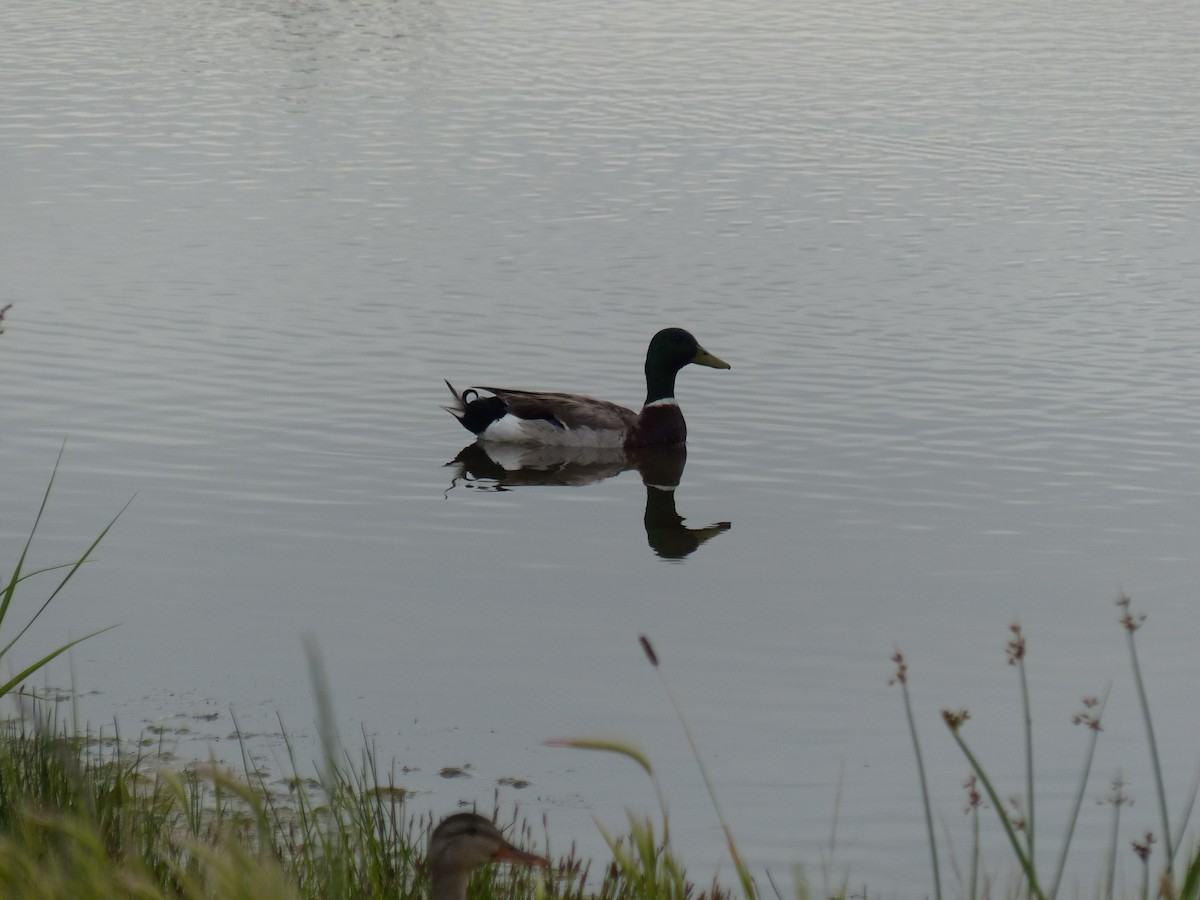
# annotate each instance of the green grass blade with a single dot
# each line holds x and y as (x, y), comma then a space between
(66, 578)
(11, 587)
(25, 576)
(1191, 881)
(1186, 815)
(606, 745)
(29, 670)
(629, 751)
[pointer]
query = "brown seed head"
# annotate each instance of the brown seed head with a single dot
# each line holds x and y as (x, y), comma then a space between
(954, 719)
(1016, 646)
(1142, 847)
(1089, 715)
(1118, 797)
(1130, 621)
(648, 650)
(974, 798)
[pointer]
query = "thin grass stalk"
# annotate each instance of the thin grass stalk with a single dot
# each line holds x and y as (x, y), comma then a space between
(1092, 720)
(974, 802)
(1016, 657)
(827, 869)
(254, 775)
(1029, 792)
(326, 723)
(337, 856)
(743, 872)
(954, 721)
(827, 862)
(1131, 624)
(1114, 837)
(301, 852)
(774, 886)
(901, 678)
(973, 890)
(368, 814)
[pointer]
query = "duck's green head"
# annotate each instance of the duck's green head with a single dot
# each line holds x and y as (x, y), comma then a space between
(670, 350)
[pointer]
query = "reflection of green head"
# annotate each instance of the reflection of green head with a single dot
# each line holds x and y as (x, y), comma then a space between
(670, 350)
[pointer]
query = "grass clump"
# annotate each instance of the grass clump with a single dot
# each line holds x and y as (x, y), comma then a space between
(80, 817)
(84, 817)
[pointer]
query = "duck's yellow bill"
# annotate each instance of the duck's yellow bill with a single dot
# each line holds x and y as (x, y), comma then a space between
(704, 358)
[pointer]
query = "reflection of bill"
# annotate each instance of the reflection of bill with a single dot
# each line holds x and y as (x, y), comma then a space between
(502, 467)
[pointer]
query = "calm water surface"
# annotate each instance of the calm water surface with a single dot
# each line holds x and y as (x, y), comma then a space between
(948, 249)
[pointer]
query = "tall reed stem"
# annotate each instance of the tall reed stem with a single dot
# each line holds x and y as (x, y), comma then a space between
(1016, 657)
(1131, 623)
(901, 678)
(743, 872)
(1092, 713)
(954, 721)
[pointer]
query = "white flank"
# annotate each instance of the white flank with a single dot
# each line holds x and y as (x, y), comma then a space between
(510, 429)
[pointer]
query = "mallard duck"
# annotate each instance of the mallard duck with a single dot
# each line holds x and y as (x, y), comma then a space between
(572, 420)
(461, 844)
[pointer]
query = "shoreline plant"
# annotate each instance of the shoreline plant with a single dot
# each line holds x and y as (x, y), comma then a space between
(1016, 817)
(8, 588)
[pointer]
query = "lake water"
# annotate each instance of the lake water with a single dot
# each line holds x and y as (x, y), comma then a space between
(949, 249)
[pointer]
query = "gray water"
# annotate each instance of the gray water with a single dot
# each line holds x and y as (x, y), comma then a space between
(948, 248)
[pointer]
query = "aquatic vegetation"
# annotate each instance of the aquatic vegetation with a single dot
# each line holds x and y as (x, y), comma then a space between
(83, 816)
(1017, 816)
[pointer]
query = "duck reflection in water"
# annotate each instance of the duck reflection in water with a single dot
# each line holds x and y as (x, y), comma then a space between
(502, 467)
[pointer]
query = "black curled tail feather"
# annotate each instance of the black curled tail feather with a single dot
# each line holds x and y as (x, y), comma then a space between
(460, 403)
(475, 412)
